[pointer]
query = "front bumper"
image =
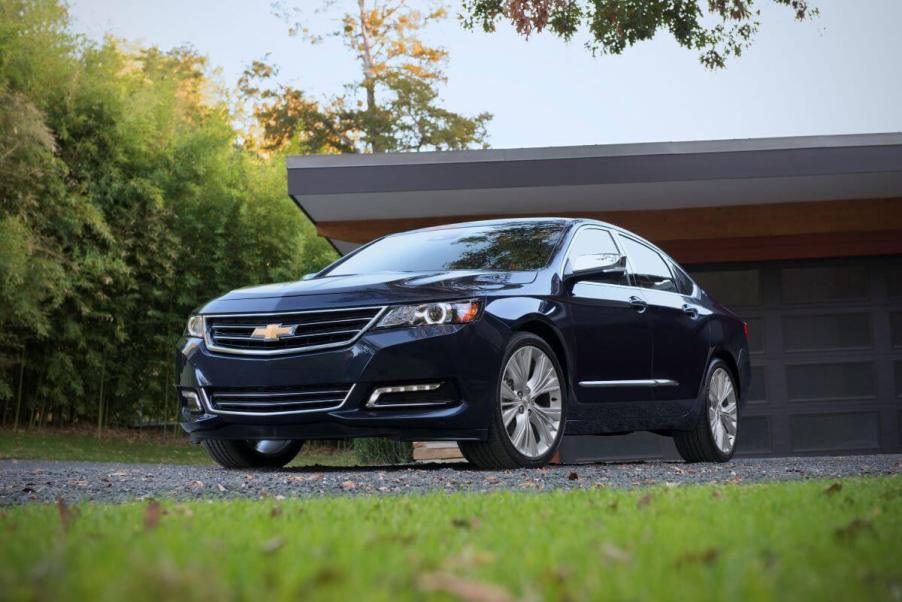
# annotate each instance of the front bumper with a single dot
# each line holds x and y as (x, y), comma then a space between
(467, 356)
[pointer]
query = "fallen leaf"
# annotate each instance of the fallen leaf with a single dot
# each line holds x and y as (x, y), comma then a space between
(716, 493)
(706, 556)
(465, 589)
(644, 501)
(348, 485)
(834, 488)
(468, 558)
(67, 514)
(152, 515)
(612, 553)
(276, 511)
(572, 476)
(272, 545)
(197, 484)
(851, 530)
(220, 487)
(279, 497)
(466, 523)
(182, 510)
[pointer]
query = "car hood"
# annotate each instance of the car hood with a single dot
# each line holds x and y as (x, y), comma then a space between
(367, 289)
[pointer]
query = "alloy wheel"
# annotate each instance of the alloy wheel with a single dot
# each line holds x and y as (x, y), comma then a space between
(722, 410)
(531, 401)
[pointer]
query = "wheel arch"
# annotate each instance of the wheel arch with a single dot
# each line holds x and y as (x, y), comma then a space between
(551, 335)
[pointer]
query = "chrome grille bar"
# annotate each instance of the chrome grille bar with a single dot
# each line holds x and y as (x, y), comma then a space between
(274, 402)
(312, 330)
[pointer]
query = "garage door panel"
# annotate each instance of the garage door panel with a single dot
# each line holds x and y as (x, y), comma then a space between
(756, 435)
(758, 385)
(823, 284)
(895, 329)
(833, 432)
(831, 381)
(732, 288)
(852, 331)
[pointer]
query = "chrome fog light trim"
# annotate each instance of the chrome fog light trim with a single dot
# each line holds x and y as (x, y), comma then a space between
(192, 401)
(379, 392)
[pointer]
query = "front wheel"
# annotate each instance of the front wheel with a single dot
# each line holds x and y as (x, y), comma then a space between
(714, 437)
(528, 415)
(267, 453)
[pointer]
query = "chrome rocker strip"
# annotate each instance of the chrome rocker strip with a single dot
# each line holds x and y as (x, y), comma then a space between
(650, 382)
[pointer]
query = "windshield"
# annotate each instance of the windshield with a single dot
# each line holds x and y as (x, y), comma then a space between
(507, 247)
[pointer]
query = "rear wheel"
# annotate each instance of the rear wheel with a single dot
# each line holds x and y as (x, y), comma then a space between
(714, 437)
(528, 415)
(267, 453)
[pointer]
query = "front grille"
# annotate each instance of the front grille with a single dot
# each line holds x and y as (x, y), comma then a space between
(276, 400)
(309, 330)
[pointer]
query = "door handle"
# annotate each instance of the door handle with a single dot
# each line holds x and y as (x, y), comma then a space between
(692, 311)
(638, 303)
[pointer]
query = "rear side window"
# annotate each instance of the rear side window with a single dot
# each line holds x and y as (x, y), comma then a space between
(683, 281)
(648, 267)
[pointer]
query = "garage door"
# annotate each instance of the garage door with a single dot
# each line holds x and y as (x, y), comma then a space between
(826, 349)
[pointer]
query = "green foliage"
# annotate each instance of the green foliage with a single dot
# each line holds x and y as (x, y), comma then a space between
(382, 451)
(126, 201)
(775, 541)
(717, 29)
(394, 105)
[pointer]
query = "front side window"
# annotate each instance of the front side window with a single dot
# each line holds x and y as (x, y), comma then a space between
(648, 267)
(505, 247)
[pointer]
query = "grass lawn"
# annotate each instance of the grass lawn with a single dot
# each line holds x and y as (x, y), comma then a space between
(123, 445)
(790, 541)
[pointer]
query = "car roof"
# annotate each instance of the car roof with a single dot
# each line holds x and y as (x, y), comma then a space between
(510, 221)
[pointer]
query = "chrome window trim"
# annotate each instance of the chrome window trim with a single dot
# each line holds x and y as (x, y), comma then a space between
(208, 341)
(667, 261)
(209, 406)
(646, 382)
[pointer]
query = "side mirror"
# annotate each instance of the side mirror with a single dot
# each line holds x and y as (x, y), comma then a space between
(309, 276)
(600, 266)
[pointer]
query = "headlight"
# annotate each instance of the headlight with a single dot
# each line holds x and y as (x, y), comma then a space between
(454, 312)
(196, 327)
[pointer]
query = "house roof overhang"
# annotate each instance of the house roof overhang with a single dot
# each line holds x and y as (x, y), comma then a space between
(768, 198)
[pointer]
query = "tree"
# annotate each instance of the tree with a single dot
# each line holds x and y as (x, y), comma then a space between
(126, 201)
(717, 29)
(394, 105)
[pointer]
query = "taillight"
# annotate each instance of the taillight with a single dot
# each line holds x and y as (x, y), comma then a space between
(745, 329)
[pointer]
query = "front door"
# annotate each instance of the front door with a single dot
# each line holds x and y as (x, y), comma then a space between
(609, 330)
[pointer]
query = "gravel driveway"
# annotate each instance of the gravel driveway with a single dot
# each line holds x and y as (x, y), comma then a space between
(23, 481)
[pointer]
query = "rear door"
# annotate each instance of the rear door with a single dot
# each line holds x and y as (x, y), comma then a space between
(609, 333)
(678, 322)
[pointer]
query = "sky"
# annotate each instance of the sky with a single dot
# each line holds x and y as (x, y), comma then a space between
(840, 73)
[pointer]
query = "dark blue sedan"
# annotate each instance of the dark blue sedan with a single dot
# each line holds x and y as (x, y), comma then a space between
(500, 335)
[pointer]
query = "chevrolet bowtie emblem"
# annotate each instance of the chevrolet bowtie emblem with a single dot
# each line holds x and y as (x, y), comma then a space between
(272, 332)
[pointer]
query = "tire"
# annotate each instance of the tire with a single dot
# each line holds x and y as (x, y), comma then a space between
(244, 454)
(528, 416)
(701, 443)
